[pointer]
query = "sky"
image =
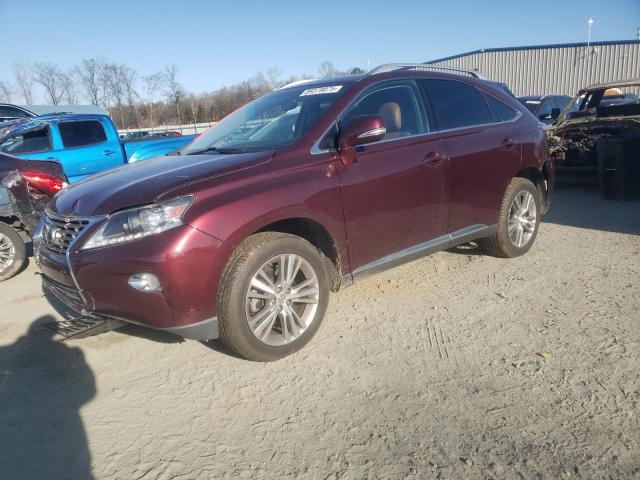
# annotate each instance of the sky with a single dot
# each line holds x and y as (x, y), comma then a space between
(218, 43)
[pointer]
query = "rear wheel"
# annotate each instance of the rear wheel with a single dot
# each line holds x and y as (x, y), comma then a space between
(13, 254)
(518, 221)
(273, 296)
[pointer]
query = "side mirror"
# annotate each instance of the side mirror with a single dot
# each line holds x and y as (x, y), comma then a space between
(555, 113)
(359, 131)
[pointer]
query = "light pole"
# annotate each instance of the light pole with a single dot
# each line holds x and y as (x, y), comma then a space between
(589, 25)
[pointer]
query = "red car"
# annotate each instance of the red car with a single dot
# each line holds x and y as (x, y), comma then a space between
(243, 235)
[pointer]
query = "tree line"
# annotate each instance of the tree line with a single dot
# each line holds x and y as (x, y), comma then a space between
(140, 101)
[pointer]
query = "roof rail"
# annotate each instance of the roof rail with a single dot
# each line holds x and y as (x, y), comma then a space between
(389, 67)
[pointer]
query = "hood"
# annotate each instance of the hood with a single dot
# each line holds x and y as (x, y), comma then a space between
(141, 183)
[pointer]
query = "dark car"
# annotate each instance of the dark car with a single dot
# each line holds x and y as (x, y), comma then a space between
(546, 108)
(25, 188)
(10, 112)
(167, 133)
(596, 139)
(243, 239)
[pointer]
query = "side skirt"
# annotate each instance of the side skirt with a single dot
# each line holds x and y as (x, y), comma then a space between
(438, 244)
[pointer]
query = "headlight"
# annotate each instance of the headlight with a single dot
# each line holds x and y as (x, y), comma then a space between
(129, 225)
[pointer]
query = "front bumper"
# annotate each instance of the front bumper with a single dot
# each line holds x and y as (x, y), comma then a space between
(188, 262)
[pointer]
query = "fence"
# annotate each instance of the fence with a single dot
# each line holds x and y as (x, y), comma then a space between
(185, 129)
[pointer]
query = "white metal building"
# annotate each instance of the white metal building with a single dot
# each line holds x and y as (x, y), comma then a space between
(546, 69)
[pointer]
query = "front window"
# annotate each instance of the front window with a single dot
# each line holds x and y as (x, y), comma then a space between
(271, 122)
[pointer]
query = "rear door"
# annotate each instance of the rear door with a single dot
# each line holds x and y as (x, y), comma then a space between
(482, 152)
(396, 195)
(86, 148)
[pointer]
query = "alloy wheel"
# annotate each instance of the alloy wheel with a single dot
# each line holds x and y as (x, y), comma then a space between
(522, 218)
(282, 299)
(7, 253)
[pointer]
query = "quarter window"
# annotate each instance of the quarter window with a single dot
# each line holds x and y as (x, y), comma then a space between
(456, 104)
(501, 111)
(82, 133)
(33, 141)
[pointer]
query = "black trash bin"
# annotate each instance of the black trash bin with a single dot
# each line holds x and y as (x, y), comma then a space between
(619, 168)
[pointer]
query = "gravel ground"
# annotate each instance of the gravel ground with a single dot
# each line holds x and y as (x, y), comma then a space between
(458, 365)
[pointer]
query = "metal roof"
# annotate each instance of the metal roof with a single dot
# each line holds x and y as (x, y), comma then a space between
(538, 47)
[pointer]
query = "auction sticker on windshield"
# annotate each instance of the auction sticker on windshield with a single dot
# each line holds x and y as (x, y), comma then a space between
(321, 90)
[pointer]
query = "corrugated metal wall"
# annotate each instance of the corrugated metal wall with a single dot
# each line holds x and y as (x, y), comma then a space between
(556, 69)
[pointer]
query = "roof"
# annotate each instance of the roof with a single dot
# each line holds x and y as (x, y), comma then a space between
(619, 83)
(538, 47)
(46, 109)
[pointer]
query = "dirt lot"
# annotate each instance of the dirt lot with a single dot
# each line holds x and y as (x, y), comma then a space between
(455, 366)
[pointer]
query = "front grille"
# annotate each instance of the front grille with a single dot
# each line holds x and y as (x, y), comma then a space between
(59, 232)
(67, 295)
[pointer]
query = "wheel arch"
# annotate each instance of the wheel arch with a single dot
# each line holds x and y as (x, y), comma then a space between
(540, 178)
(316, 234)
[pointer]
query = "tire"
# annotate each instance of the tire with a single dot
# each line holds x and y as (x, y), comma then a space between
(13, 253)
(504, 245)
(243, 317)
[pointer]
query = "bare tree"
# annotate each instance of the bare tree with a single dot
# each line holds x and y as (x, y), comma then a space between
(327, 70)
(70, 92)
(174, 91)
(24, 78)
(273, 75)
(112, 73)
(129, 76)
(194, 108)
(51, 77)
(89, 73)
(6, 92)
(152, 84)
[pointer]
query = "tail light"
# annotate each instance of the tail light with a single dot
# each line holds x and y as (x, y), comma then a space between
(49, 184)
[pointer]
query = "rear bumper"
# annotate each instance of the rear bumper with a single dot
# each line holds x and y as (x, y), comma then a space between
(187, 262)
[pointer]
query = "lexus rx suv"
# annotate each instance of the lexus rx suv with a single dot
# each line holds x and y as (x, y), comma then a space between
(242, 235)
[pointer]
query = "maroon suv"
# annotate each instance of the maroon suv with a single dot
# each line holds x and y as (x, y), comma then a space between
(243, 235)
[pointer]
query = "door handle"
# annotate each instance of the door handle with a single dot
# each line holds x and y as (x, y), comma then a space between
(434, 159)
(108, 152)
(508, 143)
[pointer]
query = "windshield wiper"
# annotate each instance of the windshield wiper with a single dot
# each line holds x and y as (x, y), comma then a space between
(217, 150)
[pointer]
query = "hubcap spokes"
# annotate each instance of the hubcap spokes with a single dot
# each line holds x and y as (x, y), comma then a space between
(522, 219)
(282, 299)
(7, 252)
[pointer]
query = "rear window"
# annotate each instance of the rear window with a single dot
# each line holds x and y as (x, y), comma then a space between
(32, 141)
(456, 104)
(82, 133)
(501, 111)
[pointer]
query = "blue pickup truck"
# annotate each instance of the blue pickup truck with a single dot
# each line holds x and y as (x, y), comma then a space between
(84, 144)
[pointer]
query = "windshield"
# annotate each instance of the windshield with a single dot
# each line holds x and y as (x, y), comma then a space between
(271, 122)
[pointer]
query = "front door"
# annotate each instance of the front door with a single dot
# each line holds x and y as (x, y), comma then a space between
(396, 197)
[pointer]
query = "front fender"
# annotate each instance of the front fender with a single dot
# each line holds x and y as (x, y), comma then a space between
(235, 208)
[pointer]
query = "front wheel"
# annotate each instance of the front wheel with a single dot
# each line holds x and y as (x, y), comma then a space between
(13, 254)
(273, 296)
(518, 221)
